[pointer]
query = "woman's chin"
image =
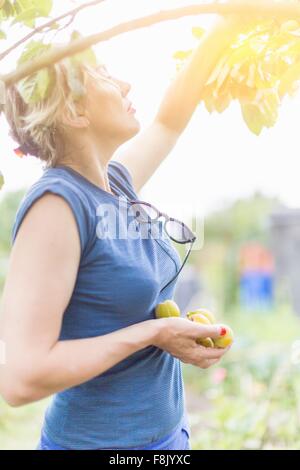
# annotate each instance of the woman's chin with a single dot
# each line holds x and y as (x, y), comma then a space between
(129, 131)
(134, 128)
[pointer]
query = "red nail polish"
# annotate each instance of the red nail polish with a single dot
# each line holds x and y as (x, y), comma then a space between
(223, 331)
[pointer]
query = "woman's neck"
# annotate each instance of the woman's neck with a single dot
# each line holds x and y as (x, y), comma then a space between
(94, 173)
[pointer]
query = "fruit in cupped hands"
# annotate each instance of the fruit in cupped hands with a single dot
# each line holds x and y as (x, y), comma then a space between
(226, 338)
(206, 342)
(203, 311)
(205, 317)
(199, 318)
(166, 309)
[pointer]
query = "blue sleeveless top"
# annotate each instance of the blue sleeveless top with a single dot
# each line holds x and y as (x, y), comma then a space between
(141, 399)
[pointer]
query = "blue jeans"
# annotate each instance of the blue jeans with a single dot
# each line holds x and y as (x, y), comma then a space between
(177, 440)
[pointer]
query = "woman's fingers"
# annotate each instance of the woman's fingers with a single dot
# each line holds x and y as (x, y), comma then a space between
(200, 356)
(209, 363)
(206, 354)
(210, 353)
(180, 337)
(198, 330)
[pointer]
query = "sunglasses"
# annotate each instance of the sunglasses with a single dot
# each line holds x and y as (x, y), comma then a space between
(146, 213)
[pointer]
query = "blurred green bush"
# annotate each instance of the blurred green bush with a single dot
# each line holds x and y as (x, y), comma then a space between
(9, 204)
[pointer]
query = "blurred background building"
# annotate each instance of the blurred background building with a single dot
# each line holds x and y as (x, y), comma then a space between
(285, 236)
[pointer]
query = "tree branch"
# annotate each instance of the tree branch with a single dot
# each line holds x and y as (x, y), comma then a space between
(48, 24)
(270, 9)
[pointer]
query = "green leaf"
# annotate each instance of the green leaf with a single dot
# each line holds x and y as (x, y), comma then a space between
(1, 180)
(182, 55)
(26, 17)
(29, 23)
(253, 118)
(209, 103)
(75, 35)
(43, 82)
(34, 88)
(6, 10)
(18, 7)
(74, 72)
(2, 34)
(197, 32)
(28, 10)
(28, 89)
(74, 80)
(269, 105)
(87, 56)
(43, 7)
(222, 102)
(33, 50)
(40, 7)
(215, 73)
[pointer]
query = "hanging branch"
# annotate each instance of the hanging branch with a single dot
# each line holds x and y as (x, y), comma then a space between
(72, 13)
(270, 9)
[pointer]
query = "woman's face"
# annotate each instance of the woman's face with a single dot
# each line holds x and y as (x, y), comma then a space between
(108, 108)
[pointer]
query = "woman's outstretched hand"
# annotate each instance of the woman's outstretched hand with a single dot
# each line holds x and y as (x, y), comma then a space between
(178, 337)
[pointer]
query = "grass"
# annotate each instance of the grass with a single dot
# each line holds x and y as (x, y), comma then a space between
(20, 427)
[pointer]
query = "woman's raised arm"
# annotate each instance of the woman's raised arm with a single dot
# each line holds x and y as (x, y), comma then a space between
(143, 155)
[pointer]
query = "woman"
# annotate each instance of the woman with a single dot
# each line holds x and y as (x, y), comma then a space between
(78, 306)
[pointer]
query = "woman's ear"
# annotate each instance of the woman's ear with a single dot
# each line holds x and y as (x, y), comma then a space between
(78, 121)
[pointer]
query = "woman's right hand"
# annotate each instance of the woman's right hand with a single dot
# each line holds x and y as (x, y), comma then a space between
(178, 337)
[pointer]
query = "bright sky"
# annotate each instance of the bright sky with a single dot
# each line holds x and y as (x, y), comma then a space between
(217, 159)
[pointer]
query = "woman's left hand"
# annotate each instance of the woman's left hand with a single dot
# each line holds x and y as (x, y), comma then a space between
(178, 337)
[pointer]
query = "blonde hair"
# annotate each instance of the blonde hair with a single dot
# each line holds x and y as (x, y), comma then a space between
(37, 127)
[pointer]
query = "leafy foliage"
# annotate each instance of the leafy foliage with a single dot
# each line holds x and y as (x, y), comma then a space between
(36, 87)
(25, 11)
(8, 208)
(258, 69)
(74, 76)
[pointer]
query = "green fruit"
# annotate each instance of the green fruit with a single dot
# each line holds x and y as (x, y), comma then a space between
(226, 339)
(206, 342)
(203, 311)
(166, 309)
(199, 318)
